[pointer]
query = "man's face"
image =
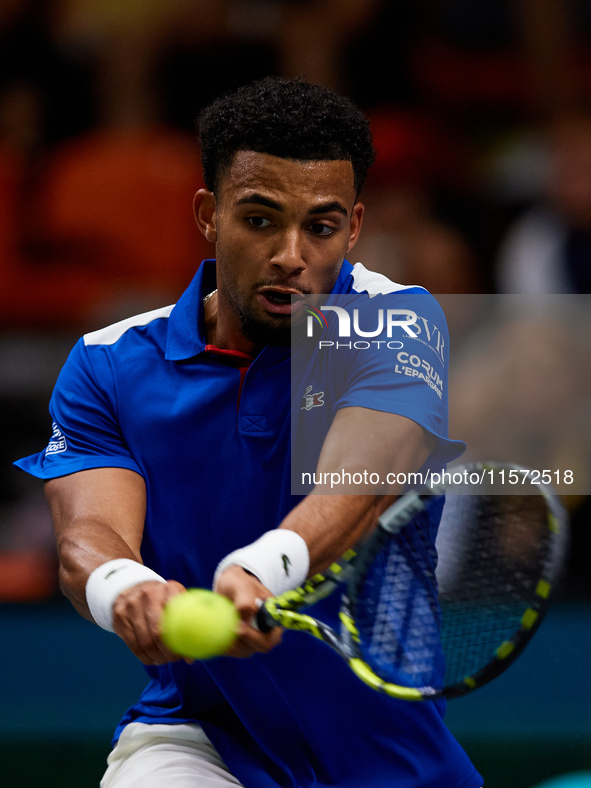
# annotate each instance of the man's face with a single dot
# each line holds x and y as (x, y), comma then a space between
(282, 228)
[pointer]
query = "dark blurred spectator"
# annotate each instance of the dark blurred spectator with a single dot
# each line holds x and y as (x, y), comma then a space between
(212, 48)
(121, 39)
(40, 76)
(314, 36)
(519, 388)
(100, 225)
(10, 184)
(120, 202)
(548, 249)
(402, 236)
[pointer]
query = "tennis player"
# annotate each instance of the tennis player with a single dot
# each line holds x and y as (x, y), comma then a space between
(169, 467)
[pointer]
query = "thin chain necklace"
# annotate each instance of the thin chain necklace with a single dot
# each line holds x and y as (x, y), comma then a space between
(207, 297)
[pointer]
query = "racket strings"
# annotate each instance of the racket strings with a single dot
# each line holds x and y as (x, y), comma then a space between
(396, 611)
(492, 553)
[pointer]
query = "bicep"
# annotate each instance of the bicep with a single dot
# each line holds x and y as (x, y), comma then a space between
(111, 500)
(340, 511)
(376, 444)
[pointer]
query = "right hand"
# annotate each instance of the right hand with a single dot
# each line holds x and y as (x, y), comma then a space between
(136, 619)
(246, 591)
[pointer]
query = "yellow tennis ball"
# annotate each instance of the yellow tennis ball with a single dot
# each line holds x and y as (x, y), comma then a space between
(199, 624)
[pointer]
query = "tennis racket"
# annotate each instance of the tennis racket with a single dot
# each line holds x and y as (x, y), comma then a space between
(419, 622)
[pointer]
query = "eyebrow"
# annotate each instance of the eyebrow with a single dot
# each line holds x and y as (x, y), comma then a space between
(329, 207)
(259, 199)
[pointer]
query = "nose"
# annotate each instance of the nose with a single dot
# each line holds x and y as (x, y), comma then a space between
(288, 255)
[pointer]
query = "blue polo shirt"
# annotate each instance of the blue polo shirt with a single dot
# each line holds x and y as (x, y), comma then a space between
(209, 431)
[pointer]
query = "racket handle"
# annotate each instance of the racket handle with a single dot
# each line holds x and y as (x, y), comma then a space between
(264, 620)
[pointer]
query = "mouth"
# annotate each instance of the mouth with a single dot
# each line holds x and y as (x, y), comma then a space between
(280, 300)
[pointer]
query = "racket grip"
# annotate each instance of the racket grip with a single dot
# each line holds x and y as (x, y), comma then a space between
(264, 620)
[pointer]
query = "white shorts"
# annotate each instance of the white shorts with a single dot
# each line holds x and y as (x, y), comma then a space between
(160, 756)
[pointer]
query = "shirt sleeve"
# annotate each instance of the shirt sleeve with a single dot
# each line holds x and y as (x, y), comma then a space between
(404, 369)
(85, 429)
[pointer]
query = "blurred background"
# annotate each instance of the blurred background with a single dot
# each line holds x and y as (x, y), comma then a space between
(481, 113)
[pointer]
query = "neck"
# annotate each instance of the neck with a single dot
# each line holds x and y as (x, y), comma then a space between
(222, 333)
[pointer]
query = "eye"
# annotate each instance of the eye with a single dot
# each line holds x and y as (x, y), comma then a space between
(259, 222)
(321, 229)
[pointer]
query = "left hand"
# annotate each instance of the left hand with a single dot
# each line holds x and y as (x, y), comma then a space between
(243, 589)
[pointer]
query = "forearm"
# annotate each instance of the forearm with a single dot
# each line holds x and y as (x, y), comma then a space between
(83, 547)
(327, 524)
(359, 439)
(133, 607)
(331, 524)
(98, 516)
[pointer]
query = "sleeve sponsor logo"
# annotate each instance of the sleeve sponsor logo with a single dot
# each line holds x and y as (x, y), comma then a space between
(415, 367)
(428, 334)
(58, 441)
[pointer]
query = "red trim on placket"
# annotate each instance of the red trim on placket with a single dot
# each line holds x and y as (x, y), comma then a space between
(243, 371)
(233, 354)
(222, 351)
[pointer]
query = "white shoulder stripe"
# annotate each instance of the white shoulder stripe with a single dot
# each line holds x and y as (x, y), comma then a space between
(110, 334)
(374, 283)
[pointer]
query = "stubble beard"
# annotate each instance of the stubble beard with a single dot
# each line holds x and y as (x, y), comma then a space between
(260, 329)
(264, 331)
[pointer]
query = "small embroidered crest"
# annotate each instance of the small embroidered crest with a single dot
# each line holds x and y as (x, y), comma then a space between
(312, 400)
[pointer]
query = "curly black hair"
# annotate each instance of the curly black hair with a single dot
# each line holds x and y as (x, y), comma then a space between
(289, 118)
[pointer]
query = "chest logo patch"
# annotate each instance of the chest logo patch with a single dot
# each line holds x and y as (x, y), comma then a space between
(312, 400)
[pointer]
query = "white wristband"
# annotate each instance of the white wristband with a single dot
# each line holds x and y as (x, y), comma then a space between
(106, 583)
(279, 559)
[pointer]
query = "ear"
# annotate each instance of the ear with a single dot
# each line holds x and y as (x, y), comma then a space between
(204, 209)
(355, 225)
